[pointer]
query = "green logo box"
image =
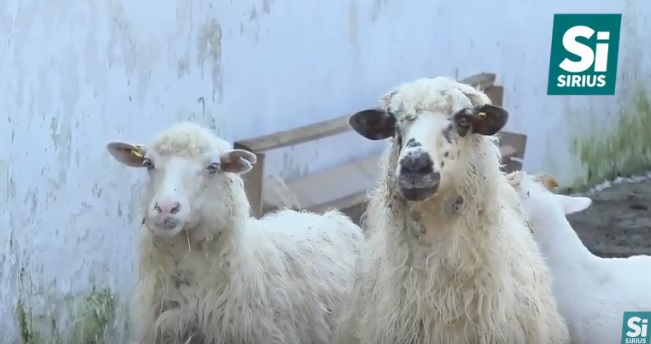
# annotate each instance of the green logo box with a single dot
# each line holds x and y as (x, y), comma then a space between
(584, 53)
(635, 328)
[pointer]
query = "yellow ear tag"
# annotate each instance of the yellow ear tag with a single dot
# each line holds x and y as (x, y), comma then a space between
(482, 114)
(137, 152)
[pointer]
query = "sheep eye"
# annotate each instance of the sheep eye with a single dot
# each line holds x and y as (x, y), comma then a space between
(528, 194)
(213, 167)
(148, 163)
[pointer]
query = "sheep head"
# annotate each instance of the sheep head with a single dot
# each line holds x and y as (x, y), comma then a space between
(430, 120)
(538, 199)
(188, 167)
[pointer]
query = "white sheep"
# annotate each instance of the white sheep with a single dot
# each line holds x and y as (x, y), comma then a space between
(449, 259)
(210, 273)
(592, 292)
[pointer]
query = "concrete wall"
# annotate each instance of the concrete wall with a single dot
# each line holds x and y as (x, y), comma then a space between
(75, 74)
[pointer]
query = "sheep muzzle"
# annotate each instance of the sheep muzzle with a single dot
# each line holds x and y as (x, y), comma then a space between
(416, 178)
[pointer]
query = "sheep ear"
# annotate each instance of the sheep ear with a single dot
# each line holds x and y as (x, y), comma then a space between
(573, 204)
(484, 119)
(126, 153)
(373, 124)
(237, 161)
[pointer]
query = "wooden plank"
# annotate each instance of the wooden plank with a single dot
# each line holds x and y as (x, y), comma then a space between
(512, 166)
(496, 94)
(480, 81)
(371, 165)
(296, 136)
(253, 182)
(337, 185)
(517, 141)
(519, 144)
(353, 200)
(277, 194)
(507, 152)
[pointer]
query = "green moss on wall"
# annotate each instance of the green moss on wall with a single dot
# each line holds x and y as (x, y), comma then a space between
(91, 318)
(23, 318)
(626, 150)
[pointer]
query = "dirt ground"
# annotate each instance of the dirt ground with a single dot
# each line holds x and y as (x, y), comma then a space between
(618, 223)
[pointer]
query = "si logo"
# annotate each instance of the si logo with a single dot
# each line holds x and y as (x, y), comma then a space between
(584, 53)
(635, 329)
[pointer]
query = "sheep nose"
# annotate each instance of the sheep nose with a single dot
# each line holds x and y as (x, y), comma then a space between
(167, 207)
(417, 164)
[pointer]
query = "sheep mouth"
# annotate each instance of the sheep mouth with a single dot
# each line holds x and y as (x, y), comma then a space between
(418, 187)
(419, 194)
(166, 228)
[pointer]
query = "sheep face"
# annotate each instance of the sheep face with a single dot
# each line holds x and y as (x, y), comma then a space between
(185, 174)
(538, 200)
(429, 123)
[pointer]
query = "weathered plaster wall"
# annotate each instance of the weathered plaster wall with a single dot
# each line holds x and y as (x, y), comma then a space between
(75, 74)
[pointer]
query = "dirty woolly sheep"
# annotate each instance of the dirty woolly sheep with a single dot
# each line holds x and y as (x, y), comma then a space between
(449, 258)
(208, 273)
(613, 285)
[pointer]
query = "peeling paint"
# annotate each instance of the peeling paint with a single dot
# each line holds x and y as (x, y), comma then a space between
(353, 22)
(61, 136)
(125, 48)
(376, 8)
(209, 50)
(253, 23)
(183, 32)
(253, 20)
(121, 45)
(266, 6)
(210, 119)
(7, 189)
